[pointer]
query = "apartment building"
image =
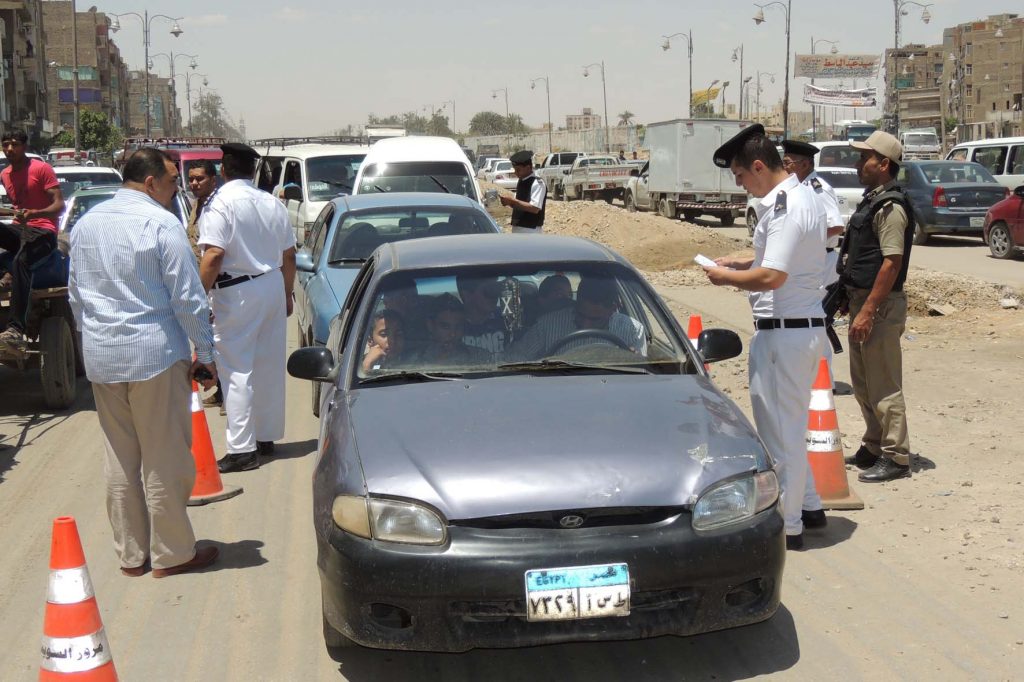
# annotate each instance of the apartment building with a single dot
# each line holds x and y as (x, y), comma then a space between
(165, 117)
(23, 102)
(587, 120)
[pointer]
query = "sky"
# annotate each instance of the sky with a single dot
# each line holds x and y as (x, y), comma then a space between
(297, 67)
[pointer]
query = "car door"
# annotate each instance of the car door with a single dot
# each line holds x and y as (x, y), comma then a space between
(643, 190)
(342, 336)
(1014, 176)
(313, 248)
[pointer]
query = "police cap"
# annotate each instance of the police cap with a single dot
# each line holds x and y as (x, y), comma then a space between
(724, 155)
(798, 148)
(521, 158)
(240, 150)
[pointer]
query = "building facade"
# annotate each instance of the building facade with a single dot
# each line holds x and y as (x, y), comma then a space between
(587, 120)
(165, 117)
(23, 102)
(914, 75)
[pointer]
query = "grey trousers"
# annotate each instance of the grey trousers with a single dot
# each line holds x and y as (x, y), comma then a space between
(147, 432)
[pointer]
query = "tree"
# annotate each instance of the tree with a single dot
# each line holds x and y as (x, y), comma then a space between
(210, 118)
(94, 132)
(488, 123)
(626, 118)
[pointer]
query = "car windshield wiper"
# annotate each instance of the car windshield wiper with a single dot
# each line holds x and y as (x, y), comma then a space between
(412, 376)
(547, 364)
(340, 261)
(337, 183)
(440, 184)
(380, 189)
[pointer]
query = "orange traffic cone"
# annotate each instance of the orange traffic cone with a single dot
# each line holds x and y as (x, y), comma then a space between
(74, 643)
(694, 328)
(208, 487)
(825, 446)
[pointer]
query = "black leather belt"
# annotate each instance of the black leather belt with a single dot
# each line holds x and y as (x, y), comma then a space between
(224, 281)
(789, 323)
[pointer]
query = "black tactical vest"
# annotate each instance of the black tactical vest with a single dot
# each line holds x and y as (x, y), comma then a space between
(522, 218)
(861, 256)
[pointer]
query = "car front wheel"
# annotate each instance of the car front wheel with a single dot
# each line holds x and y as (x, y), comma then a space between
(1000, 242)
(630, 204)
(920, 236)
(751, 221)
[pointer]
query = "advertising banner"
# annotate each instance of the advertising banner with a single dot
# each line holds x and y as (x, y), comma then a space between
(836, 65)
(705, 96)
(862, 97)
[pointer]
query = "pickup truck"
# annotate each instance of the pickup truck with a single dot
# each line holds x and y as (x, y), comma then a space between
(595, 176)
(552, 171)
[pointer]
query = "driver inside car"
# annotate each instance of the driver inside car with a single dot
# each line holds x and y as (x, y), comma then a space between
(594, 310)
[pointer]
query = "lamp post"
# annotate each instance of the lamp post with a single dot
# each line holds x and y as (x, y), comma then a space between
(188, 94)
(688, 36)
(547, 90)
(604, 89)
(737, 55)
(745, 93)
(508, 116)
(725, 84)
(759, 19)
(74, 78)
(814, 118)
(444, 105)
(171, 57)
(707, 104)
(115, 26)
(899, 9)
(757, 105)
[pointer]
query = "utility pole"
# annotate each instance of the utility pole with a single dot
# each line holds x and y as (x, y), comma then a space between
(74, 78)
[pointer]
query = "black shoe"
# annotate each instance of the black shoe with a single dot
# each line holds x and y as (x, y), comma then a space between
(266, 447)
(814, 519)
(239, 461)
(884, 470)
(795, 542)
(862, 459)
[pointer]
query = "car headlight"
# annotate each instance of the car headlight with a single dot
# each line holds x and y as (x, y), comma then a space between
(389, 520)
(735, 501)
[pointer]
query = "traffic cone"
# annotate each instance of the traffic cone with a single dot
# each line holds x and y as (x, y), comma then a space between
(208, 487)
(74, 644)
(825, 446)
(694, 328)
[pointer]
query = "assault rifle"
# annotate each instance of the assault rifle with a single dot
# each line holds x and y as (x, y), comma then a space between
(836, 300)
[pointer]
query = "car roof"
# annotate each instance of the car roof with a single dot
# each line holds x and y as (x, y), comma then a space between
(991, 141)
(73, 170)
(489, 249)
(417, 148)
(359, 202)
(836, 169)
(96, 189)
(313, 150)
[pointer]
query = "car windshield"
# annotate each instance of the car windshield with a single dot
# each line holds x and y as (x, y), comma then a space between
(329, 176)
(418, 176)
(361, 232)
(951, 172)
(71, 182)
(841, 156)
(516, 319)
(921, 140)
(503, 166)
(82, 203)
(859, 133)
(841, 180)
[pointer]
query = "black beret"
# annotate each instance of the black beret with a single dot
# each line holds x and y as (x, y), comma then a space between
(799, 148)
(239, 149)
(724, 154)
(521, 157)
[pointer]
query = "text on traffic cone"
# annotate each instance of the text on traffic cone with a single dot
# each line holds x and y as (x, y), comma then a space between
(825, 446)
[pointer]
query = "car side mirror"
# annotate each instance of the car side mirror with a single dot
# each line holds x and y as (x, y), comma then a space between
(314, 363)
(293, 193)
(634, 173)
(716, 345)
(304, 261)
(1019, 191)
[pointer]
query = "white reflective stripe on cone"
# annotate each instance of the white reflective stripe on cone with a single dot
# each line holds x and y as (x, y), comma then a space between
(821, 400)
(75, 654)
(69, 586)
(824, 441)
(196, 405)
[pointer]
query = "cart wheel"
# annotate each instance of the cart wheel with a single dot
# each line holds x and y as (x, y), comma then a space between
(57, 362)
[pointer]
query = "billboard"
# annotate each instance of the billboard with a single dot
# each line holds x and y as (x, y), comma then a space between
(861, 97)
(836, 65)
(705, 96)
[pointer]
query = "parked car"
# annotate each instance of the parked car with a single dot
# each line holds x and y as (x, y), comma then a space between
(596, 176)
(417, 164)
(1004, 225)
(844, 181)
(485, 163)
(502, 175)
(836, 154)
(84, 200)
(598, 488)
(347, 231)
(1003, 157)
(552, 171)
(949, 197)
(74, 178)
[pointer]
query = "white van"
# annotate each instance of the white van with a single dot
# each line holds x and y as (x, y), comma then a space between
(307, 176)
(417, 164)
(1001, 156)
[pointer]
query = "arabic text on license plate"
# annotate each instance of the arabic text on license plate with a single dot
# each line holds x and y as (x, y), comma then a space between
(577, 592)
(977, 221)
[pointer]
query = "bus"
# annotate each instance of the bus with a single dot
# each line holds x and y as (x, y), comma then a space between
(850, 131)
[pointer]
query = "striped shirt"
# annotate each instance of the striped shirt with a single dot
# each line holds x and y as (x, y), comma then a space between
(135, 290)
(556, 325)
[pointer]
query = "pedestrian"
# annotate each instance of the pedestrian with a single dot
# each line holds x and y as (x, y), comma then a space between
(248, 266)
(874, 261)
(798, 158)
(784, 279)
(531, 196)
(35, 194)
(137, 299)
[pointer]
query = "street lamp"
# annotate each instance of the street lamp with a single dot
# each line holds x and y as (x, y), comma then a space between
(547, 90)
(688, 36)
(899, 10)
(834, 50)
(708, 105)
(745, 93)
(188, 95)
(115, 26)
(759, 19)
(444, 105)
(604, 88)
(171, 57)
(757, 105)
(737, 55)
(508, 116)
(725, 84)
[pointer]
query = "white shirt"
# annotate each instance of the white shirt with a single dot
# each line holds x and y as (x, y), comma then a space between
(250, 225)
(828, 203)
(790, 237)
(538, 191)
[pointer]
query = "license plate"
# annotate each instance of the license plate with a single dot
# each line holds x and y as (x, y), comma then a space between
(978, 222)
(577, 592)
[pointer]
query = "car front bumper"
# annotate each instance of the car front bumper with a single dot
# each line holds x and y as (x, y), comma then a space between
(470, 592)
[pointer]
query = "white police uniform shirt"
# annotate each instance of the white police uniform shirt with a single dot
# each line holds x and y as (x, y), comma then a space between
(829, 209)
(250, 225)
(790, 237)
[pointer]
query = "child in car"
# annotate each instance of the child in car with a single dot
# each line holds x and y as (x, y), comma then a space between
(386, 343)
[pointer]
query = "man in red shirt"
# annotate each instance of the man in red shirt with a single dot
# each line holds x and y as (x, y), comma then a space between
(35, 194)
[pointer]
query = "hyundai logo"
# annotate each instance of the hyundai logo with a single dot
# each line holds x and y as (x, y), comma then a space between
(571, 521)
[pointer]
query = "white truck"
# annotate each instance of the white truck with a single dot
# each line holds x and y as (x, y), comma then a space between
(920, 144)
(681, 178)
(594, 176)
(552, 171)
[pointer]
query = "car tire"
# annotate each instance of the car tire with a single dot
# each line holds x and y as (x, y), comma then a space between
(667, 208)
(751, 221)
(920, 236)
(727, 219)
(627, 199)
(1000, 242)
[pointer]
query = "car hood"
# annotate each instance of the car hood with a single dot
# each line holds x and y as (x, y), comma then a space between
(339, 279)
(517, 444)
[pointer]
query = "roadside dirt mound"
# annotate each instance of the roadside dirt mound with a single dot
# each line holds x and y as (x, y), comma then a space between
(926, 288)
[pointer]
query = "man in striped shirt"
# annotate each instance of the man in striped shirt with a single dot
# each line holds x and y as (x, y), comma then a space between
(137, 298)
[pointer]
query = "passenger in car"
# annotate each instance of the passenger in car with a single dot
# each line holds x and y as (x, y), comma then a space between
(484, 326)
(555, 293)
(445, 324)
(401, 297)
(385, 346)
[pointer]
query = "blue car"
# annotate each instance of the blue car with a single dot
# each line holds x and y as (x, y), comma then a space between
(348, 230)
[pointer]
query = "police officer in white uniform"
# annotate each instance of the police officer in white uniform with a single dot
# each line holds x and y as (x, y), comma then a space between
(798, 158)
(784, 279)
(530, 198)
(248, 267)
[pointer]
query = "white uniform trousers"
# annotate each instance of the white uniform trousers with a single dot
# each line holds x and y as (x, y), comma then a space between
(249, 333)
(527, 230)
(783, 363)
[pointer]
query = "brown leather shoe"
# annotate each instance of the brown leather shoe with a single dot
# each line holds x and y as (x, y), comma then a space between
(203, 558)
(136, 571)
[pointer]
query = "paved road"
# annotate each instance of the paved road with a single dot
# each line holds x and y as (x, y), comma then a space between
(848, 610)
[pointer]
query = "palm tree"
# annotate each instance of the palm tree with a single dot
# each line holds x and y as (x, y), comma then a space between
(626, 117)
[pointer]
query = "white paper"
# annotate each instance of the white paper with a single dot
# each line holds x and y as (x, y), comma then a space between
(704, 261)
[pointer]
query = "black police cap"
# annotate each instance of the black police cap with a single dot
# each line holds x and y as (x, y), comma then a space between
(521, 157)
(799, 148)
(724, 154)
(240, 150)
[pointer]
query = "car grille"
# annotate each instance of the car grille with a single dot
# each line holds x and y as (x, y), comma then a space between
(485, 611)
(570, 519)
